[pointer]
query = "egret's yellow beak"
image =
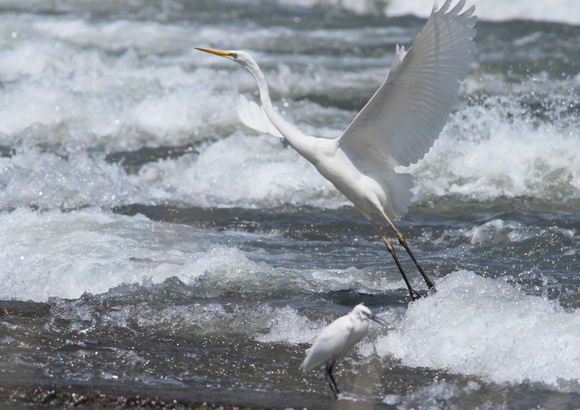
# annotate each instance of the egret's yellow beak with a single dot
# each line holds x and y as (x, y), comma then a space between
(222, 53)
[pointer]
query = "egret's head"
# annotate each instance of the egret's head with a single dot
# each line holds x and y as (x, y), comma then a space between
(246, 61)
(364, 313)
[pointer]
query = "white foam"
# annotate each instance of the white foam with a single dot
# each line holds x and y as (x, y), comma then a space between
(482, 154)
(288, 326)
(487, 328)
(498, 150)
(222, 267)
(92, 83)
(263, 322)
(247, 171)
(47, 180)
(66, 254)
(496, 10)
(431, 396)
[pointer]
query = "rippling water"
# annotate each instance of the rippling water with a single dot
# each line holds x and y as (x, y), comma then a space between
(157, 253)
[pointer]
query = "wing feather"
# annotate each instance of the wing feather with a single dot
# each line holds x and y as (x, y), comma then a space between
(254, 117)
(401, 121)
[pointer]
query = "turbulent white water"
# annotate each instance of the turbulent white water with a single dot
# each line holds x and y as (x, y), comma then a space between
(487, 328)
(117, 85)
(67, 254)
(495, 10)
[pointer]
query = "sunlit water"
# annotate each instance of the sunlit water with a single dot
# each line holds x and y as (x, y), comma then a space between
(171, 254)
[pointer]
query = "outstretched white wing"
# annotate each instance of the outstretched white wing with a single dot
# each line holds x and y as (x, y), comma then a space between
(401, 121)
(254, 117)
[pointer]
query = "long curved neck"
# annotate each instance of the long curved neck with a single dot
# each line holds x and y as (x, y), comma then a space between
(300, 141)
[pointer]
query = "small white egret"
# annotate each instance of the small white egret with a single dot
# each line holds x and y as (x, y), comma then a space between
(336, 339)
(397, 126)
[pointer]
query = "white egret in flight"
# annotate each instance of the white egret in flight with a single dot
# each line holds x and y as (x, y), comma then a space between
(336, 339)
(397, 126)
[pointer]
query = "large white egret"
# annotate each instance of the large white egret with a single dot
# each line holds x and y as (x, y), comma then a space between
(397, 126)
(336, 339)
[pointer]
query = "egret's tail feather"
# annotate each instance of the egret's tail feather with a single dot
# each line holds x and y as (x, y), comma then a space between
(398, 187)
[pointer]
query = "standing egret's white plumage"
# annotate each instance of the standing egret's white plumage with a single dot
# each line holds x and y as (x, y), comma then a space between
(397, 126)
(336, 339)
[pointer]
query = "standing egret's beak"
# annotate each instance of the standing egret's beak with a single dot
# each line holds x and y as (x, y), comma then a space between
(374, 318)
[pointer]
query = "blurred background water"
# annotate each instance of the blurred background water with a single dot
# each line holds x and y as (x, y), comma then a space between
(154, 252)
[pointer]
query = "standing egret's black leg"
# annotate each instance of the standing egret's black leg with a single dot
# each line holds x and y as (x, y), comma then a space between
(403, 242)
(330, 378)
(414, 295)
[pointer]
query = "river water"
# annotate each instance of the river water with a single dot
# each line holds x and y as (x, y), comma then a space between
(156, 253)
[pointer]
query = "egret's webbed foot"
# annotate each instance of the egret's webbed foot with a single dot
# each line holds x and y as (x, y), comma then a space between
(415, 296)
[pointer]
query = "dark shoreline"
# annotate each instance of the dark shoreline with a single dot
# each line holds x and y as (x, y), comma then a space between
(117, 396)
(24, 308)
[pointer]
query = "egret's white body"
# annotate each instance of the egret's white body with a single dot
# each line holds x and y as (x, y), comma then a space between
(397, 126)
(336, 339)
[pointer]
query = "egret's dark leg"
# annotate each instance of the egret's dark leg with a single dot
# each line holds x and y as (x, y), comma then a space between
(403, 242)
(414, 295)
(330, 378)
